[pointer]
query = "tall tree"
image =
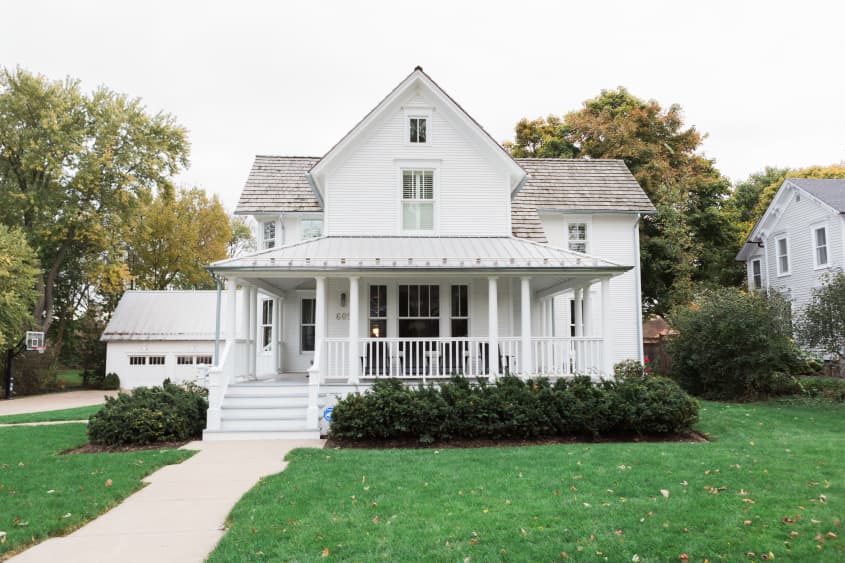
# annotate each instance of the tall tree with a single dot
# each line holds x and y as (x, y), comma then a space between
(72, 168)
(18, 272)
(690, 239)
(241, 240)
(176, 236)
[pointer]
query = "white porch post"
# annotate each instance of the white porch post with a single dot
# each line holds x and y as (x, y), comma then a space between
(277, 333)
(252, 295)
(354, 322)
(579, 318)
(493, 325)
(232, 313)
(527, 363)
(607, 336)
(315, 372)
(588, 312)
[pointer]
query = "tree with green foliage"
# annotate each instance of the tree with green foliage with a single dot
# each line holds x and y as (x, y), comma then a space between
(822, 321)
(241, 241)
(690, 239)
(176, 235)
(73, 168)
(18, 272)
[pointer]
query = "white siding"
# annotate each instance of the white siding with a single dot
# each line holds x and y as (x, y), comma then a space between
(117, 361)
(471, 191)
(797, 222)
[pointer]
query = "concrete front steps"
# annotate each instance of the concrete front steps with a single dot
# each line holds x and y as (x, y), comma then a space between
(264, 411)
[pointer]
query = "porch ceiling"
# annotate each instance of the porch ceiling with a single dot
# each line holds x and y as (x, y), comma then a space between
(413, 254)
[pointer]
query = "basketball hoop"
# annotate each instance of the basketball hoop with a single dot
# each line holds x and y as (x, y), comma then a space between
(35, 341)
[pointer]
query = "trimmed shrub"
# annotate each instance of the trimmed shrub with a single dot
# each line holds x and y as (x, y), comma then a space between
(824, 388)
(512, 408)
(149, 415)
(734, 345)
(111, 382)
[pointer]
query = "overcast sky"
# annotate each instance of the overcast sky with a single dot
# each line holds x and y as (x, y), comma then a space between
(765, 80)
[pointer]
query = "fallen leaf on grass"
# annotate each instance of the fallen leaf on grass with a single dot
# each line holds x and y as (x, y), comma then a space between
(793, 534)
(108, 482)
(325, 552)
(664, 492)
(51, 491)
(68, 515)
(523, 532)
(832, 536)
(683, 557)
(747, 522)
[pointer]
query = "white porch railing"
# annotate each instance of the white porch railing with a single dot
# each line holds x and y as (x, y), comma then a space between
(423, 358)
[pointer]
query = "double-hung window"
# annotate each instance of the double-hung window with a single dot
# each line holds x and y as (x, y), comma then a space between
(417, 128)
(460, 311)
(577, 237)
(782, 250)
(307, 325)
(378, 311)
(820, 246)
(267, 325)
(756, 274)
(268, 238)
(417, 200)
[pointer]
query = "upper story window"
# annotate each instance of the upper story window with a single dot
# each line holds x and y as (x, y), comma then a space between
(268, 238)
(577, 237)
(417, 200)
(782, 250)
(820, 255)
(418, 128)
(311, 228)
(756, 274)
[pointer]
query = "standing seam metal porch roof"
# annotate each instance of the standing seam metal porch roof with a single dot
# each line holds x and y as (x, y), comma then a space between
(417, 253)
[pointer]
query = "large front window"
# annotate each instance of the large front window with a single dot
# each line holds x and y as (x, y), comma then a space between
(307, 325)
(417, 200)
(419, 311)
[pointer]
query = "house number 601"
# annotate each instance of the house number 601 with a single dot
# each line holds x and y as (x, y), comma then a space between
(342, 316)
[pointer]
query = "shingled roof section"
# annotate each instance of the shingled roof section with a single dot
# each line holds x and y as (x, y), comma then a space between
(830, 191)
(573, 185)
(278, 183)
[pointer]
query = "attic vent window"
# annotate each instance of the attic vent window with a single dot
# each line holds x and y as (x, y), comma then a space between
(418, 126)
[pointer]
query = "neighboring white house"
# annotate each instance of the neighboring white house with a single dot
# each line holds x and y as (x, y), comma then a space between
(418, 248)
(156, 335)
(799, 240)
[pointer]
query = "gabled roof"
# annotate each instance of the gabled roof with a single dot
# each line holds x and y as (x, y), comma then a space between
(582, 185)
(829, 191)
(418, 78)
(164, 315)
(417, 253)
(278, 184)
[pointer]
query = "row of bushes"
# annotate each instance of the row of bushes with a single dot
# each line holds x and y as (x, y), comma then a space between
(512, 408)
(149, 415)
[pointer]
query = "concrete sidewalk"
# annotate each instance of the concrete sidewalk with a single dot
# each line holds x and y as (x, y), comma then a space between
(179, 516)
(53, 401)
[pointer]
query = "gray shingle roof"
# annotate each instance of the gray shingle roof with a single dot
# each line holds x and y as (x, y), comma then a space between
(830, 191)
(278, 183)
(566, 184)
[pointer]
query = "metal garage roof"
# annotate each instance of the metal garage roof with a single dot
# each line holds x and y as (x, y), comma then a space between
(164, 315)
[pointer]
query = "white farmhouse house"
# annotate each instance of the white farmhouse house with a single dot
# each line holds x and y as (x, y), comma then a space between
(799, 240)
(158, 335)
(417, 248)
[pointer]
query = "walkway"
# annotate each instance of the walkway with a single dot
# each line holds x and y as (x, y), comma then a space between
(179, 516)
(53, 401)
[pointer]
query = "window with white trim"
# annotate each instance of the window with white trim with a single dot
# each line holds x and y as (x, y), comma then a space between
(378, 311)
(820, 255)
(782, 251)
(311, 228)
(137, 360)
(460, 311)
(267, 325)
(307, 325)
(417, 200)
(184, 360)
(417, 127)
(156, 360)
(577, 237)
(268, 238)
(204, 360)
(756, 275)
(419, 311)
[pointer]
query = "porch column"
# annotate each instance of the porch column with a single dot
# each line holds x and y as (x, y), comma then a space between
(527, 363)
(588, 313)
(277, 333)
(579, 318)
(354, 322)
(252, 294)
(232, 312)
(607, 335)
(493, 325)
(315, 372)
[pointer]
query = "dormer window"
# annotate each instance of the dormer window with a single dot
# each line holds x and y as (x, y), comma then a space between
(418, 128)
(269, 235)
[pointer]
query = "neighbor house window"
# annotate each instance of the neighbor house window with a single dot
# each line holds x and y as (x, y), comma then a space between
(577, 237)
(205, 360)
(184, 360)
(419, 311)
(756, 274)
(820, 243)
(378, 311)
(156, 360)
(782, 250)
(417, 200)
(269, 235)
(460, 310)
(311, 228)
(137, 360)
(307, 325)
(418, 128)
(267, 325)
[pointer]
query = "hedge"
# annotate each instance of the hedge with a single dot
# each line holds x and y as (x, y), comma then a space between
(512, 408)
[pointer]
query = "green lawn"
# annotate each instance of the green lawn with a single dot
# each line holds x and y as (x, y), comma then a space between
(43, 494)
(77, 413)
(770, 481)
(71, 377)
